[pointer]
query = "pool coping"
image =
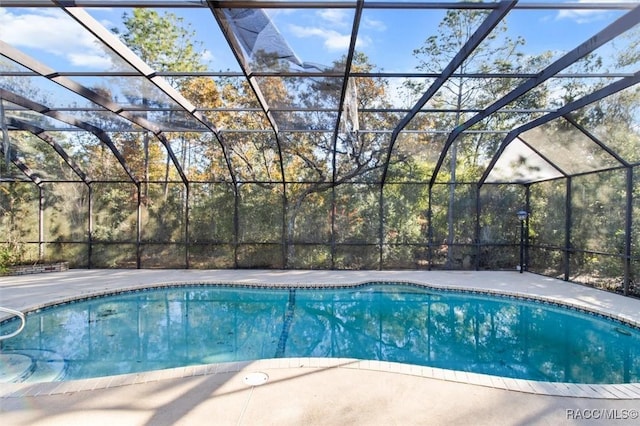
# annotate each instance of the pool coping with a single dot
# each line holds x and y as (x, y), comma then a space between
(597, 391)
(627, 391)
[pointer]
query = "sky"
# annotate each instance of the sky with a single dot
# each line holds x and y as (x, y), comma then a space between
(321, 36)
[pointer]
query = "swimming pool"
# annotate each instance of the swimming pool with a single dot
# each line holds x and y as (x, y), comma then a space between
(154, 329)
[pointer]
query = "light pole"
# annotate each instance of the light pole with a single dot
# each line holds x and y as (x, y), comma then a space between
(522, 217)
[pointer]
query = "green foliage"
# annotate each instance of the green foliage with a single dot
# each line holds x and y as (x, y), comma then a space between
(114, 210)
(18, 202)
(162, 41)
(10, 254)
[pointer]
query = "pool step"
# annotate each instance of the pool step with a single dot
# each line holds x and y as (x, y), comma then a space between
(30, 366)
(15, 367)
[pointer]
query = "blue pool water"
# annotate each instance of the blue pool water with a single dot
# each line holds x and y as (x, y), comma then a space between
(189, 325)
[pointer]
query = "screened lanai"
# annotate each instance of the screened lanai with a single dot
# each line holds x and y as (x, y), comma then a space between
(356, 134)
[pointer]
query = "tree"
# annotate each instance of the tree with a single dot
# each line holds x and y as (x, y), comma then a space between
(164, 43)
(498, 53)
(321, 164)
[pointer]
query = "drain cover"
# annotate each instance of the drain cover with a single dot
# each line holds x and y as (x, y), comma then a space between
(256, 379)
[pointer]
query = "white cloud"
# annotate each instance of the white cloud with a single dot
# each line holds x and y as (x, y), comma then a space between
(338, 17)
(373, 24)
(586, 16)
(580, 16)
(89, 60)
(207, 56)
(363, 41)
(333, 40)
(54, 32)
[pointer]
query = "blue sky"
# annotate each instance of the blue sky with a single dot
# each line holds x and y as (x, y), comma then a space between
(316, 35)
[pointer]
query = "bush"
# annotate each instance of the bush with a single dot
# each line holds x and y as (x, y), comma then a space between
(10, 254)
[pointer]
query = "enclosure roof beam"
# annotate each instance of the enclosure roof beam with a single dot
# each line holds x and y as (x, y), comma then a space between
(619, 26)
(22, 166)
(304, 109)
(318, 4)
(228, 33)
(21, 58)
(42, 70)
(596, 140)
(474, 41)
(96, 131)
(570, 107)
(544, 157)
(117, 46)
(113, 42)
(328, 73)
(344, 91)
(46, 137)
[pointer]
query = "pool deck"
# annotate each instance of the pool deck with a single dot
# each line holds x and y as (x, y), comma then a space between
(312, 391)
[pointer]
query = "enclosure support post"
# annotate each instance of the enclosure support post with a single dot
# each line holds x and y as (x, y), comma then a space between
(526, 225)
(90, 226)
(627, 232)
(284, 239)
(381, 241)
(430, 231)
(40, 224)
(476, 262)
(333, 226)
(236, 222)
(139, 225)
(187, 242)
(567, 231)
